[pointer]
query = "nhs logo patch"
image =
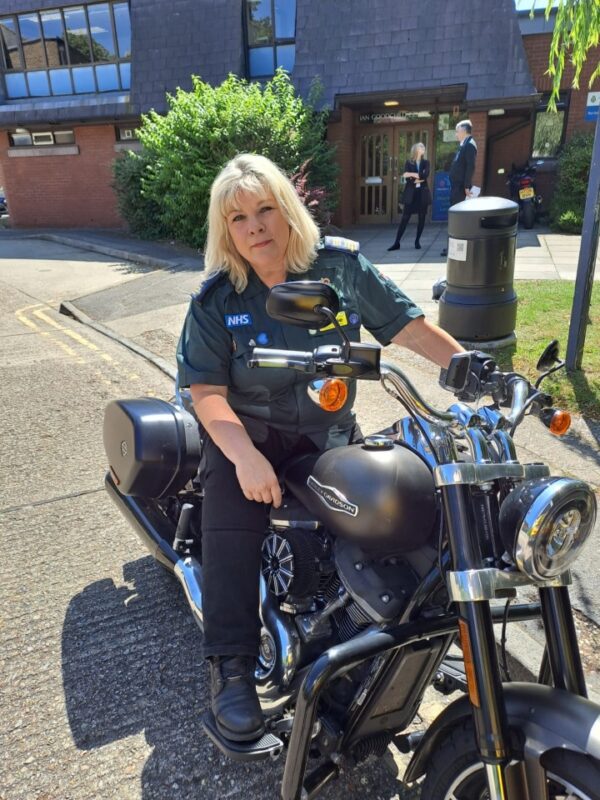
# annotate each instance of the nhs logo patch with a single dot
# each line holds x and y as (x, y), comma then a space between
(238, 320)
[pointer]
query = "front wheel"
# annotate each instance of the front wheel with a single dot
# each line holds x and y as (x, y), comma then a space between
(456, 773)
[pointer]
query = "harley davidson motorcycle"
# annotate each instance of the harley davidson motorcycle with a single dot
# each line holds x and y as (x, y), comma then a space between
(383, 556)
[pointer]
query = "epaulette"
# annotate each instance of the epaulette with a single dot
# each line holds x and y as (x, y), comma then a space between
(341, 244)
(207, 284)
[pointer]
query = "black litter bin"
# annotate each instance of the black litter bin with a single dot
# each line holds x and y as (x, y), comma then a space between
(479, 302)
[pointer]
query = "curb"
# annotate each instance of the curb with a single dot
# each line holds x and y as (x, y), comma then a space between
(97, 247)
(68, 309)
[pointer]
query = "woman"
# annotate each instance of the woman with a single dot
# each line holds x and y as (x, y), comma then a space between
(259, 234)
(416, 196)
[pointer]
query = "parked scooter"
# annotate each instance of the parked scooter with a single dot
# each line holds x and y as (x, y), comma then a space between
(383, 556)
(521, 182)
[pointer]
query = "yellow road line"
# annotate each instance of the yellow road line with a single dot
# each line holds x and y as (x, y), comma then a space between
(26, 308)
(39, 310)
(29, 323)
(68, 331)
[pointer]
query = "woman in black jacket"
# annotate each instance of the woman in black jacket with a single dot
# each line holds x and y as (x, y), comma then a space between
(416, 196)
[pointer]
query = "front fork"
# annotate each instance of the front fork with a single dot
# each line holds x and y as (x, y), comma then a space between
(479, 650)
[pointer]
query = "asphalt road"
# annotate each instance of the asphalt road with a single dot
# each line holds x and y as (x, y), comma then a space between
(102, 685)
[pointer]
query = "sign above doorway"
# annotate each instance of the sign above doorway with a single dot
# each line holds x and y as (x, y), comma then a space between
(385, 117)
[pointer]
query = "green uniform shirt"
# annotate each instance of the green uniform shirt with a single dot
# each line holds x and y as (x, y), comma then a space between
(222, 327)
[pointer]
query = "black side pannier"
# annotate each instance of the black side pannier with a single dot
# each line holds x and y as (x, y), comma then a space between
(153, 447)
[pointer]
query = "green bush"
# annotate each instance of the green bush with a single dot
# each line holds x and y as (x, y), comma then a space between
(568, 203)
(141, 213)
(166, 188)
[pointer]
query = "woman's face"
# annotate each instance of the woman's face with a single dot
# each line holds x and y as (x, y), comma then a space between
(420, 152)
(259, 231)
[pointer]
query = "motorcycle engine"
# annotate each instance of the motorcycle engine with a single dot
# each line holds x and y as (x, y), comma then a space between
(299, 570)
(296, 563)
(308, 571)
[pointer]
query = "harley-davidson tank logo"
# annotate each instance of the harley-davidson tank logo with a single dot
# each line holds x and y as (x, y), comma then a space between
(332, 497)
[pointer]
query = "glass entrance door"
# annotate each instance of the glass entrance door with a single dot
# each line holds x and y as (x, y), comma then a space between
(380, 164)
(374, 175)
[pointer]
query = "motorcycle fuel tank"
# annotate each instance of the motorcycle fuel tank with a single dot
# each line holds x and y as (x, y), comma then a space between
(379, 495)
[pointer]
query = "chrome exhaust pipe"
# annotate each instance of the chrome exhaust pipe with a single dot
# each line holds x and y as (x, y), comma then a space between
(189, 574)
(147, 522)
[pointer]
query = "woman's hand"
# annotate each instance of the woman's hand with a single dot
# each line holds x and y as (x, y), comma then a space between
(254, 472)
(257, 478)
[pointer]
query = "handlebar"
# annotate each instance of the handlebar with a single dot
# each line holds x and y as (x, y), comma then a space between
(326, 360)
(520, 390)
(411, 398)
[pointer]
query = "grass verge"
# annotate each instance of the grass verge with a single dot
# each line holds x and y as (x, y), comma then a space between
(544, 312)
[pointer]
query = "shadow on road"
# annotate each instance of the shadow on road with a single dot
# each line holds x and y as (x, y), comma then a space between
(131, 662)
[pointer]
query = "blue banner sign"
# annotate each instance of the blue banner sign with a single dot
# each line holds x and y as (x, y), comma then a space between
(591, 107)
(441, 197)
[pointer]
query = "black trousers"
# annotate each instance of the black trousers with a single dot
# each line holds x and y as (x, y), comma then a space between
(233, 530)
(406, 215)
(457, 193)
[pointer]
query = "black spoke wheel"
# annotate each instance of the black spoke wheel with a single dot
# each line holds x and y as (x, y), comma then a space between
(455, 772)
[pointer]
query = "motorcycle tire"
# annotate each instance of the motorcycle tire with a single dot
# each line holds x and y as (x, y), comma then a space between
(455, 772)
(528, 216)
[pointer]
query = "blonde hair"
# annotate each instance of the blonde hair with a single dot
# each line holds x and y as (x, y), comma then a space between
(413, 151)
(259, 175)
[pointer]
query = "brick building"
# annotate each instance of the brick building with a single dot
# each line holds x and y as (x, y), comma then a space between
(75, 77)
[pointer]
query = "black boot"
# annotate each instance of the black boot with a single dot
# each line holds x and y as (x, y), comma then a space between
(234, 701)
(395, 246)
(417, 244)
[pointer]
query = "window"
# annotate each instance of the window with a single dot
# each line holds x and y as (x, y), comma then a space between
(65, 51)
(22, 137)
(271, 36)
(127, 133)
(549, 129)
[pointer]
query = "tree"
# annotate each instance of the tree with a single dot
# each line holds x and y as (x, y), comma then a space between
(576, 32)
(183, 151)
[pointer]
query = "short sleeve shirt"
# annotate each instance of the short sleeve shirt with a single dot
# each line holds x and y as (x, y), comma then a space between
(222, 327)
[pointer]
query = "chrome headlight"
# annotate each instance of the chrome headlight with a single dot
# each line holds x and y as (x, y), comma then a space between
(544, 524)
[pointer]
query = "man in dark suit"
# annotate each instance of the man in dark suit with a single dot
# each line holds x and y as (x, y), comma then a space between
(463, 165)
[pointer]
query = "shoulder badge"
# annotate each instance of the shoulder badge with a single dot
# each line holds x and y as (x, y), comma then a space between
(341, 244)
(207, 284)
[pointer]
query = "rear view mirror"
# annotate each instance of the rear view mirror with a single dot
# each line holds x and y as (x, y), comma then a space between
(301, 303)
(549, 357)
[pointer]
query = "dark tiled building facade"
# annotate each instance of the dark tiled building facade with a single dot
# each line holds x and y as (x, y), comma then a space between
(76, 76)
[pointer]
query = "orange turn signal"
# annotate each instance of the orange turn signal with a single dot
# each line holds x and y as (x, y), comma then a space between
(560, 422)
(333, 394)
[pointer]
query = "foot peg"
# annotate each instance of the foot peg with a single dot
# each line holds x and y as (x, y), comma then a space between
(265, 747)
(450, 677)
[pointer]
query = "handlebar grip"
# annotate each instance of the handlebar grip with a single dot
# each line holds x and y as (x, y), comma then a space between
(286, 359)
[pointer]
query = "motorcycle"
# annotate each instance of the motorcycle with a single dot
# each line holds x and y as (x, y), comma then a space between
(383, 556)
(521, 181)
